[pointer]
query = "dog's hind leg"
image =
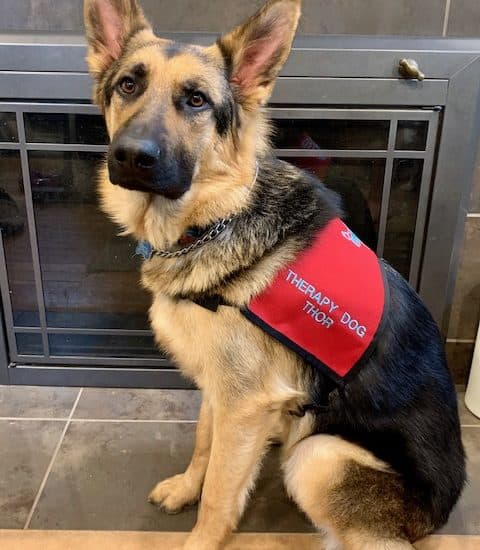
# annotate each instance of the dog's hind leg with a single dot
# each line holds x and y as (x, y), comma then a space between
(176, 492)
(240, 439)
(346, 491)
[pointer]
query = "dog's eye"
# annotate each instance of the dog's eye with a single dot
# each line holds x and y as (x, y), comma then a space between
(196, 100)
(127, 86)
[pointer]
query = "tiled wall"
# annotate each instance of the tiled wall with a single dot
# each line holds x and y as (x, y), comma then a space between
(404, 17)
(452, 18)
(385, 17)
(466, 302)
(463, 20)
(381, 17)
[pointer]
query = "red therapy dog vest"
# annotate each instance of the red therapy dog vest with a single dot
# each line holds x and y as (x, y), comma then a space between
(328, 305)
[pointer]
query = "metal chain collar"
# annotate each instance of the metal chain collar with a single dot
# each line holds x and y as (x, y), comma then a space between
(210, 235)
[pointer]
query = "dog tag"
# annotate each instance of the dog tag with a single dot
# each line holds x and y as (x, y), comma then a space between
(144, 249)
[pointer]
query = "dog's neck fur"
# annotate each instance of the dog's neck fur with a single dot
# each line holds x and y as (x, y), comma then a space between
(281, 217)
(220, 191)
(274, 219)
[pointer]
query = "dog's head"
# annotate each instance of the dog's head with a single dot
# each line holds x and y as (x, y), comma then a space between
(180, 116)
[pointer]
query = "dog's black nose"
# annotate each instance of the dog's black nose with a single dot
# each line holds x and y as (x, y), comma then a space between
(139, 162)
(132, 154)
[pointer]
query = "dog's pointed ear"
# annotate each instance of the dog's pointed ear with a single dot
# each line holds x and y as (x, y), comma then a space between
(109, 24)
(256, 51)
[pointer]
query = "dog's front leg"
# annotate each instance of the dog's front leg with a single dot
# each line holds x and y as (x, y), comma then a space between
(176, 492)
(239, 443)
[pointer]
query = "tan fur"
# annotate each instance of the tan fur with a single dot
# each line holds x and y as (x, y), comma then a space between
(250, 382)
(314, 468)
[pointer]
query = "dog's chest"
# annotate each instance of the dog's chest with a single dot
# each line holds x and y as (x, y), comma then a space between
(198, 339)
(227, 356)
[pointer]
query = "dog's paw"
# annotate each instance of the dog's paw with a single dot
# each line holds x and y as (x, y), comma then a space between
(174, 493)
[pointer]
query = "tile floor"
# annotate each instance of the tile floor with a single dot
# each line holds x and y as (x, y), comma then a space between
(85, 459)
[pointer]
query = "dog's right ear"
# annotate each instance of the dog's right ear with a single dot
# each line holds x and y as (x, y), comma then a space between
(256, 51)
(109, 24)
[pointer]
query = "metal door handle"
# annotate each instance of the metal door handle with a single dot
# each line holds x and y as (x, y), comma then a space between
(409, 69)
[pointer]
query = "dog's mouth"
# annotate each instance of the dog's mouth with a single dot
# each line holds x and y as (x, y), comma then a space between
(170, 183)
(171, 191)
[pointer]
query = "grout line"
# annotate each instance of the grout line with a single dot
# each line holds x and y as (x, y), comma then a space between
(446, 19)
(470, 425)
(52, 460)
(460, 341)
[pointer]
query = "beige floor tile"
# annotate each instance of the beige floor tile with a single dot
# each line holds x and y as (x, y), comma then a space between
(136, 404)
(36, 402)
(26, 448)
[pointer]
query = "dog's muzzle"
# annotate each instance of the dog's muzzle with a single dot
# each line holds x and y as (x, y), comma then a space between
(141, 165)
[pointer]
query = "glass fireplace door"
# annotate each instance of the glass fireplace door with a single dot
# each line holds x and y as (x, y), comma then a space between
(70, 285)
(379, 162)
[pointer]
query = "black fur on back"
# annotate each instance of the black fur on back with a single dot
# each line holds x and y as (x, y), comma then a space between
(402, 404)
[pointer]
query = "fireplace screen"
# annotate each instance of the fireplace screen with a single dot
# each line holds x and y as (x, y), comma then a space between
(70, 285)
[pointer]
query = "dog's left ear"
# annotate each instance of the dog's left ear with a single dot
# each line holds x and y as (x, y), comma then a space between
(256, 51)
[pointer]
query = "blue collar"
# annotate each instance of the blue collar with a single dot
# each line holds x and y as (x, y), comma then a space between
(145, 250)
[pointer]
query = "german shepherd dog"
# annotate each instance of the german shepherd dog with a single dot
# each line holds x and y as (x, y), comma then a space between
(383, 464)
